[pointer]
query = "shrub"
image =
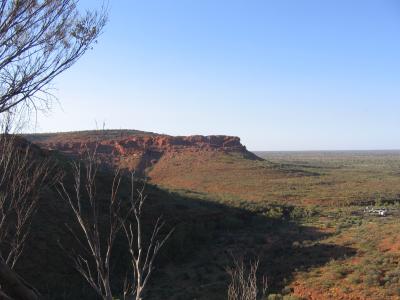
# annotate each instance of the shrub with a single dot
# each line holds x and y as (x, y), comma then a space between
(355, 278)
(275, 213)
(372, 279)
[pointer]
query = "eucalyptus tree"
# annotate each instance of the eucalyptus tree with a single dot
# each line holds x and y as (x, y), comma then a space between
(39, 40)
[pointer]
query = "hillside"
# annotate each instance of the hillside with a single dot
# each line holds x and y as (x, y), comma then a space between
(193, 263)
(221, 167)
(217, 165)
(301, 213)
(137, 150)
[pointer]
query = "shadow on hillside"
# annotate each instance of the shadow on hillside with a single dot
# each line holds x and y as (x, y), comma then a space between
(213, 233)
(193, 263)
(147, 160)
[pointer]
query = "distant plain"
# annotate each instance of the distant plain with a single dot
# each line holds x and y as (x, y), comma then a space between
(340, 252)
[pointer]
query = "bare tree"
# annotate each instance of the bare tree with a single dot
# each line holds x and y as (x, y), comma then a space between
(40, 39)
(142, 257)
(98, 242)
(85, 206)
(243, 285)
(22, 176)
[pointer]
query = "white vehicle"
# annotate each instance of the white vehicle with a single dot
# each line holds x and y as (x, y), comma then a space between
(376, 211)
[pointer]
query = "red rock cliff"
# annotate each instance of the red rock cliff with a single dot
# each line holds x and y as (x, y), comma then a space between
(137, 150)
(160, 143)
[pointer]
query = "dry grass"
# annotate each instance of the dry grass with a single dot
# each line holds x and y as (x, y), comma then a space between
(329, 179)
(372, 273)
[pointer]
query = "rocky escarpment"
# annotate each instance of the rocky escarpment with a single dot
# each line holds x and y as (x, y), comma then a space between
(137, 151)
(133, 144)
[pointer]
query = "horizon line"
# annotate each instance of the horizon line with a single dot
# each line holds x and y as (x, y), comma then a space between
(328, 150)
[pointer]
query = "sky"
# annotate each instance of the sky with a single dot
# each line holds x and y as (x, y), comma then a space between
(282, 75)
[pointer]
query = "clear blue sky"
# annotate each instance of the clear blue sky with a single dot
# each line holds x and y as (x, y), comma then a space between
(282, 75)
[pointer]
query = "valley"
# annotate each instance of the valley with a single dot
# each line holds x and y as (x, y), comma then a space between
(301, 213)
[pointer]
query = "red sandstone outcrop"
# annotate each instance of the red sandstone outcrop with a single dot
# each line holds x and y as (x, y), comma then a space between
(140, 151)
(160, 143)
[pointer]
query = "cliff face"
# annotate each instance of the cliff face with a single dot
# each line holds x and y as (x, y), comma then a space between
(131, 145)
(140, 151)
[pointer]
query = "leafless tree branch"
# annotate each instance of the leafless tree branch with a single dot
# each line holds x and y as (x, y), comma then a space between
(243, 285)
(142, 257)
(97, 243)
(22, 176)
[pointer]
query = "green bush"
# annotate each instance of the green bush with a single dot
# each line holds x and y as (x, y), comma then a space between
(275, 213)
(372, 279)
(355, 278)
(299, 213)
